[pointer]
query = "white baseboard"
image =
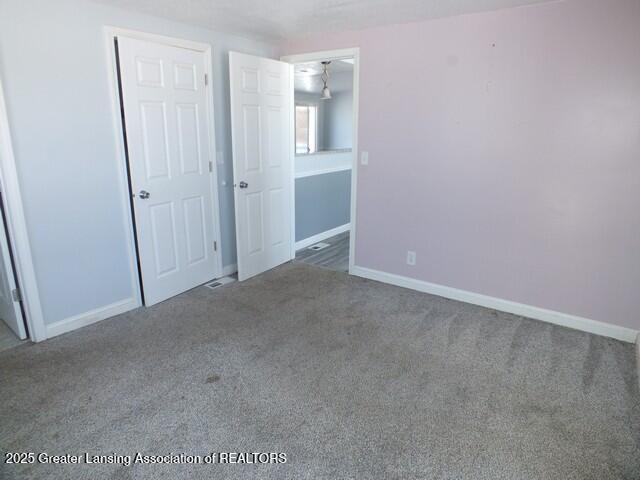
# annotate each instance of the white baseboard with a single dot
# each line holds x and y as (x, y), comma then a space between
(92, 316)
(558, 318)
(229, 269)
(307, 242)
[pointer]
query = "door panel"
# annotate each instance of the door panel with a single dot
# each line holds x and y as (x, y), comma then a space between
(255, 228)
(150, 72)
(252, 134)
(277, 227)
(154, 133)
(250, 78)
(184, 76)
(163, 234)
(189, 139)
(275, 150)
(193, 222)
(165, 109)
(260, 112)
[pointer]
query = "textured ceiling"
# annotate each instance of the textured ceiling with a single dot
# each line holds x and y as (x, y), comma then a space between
(310, 69)
(308, 77)
(277, 20)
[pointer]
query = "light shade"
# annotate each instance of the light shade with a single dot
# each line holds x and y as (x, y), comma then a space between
(326, 93)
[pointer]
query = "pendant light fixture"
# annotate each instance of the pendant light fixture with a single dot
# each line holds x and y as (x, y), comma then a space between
(326, 93)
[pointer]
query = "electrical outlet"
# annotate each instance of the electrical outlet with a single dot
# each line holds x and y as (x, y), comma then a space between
(364, 158)
(411, 258)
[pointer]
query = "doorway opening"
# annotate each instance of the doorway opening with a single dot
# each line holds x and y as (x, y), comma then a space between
(324, 125)
(266, 169)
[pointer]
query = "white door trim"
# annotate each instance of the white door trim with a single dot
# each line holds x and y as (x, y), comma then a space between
(206, 49)
(17, 230)
(316, 57)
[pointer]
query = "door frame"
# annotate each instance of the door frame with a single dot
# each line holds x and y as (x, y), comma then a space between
(111, 33)
(354, 53)
(17, 233)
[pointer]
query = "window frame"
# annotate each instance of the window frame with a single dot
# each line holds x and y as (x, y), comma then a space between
(308, 105)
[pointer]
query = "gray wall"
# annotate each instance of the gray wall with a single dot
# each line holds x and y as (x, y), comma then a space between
(53, 63)
(322, 203)
(338, 120)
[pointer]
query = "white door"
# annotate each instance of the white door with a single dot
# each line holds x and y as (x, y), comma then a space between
(262, 170)
(167, 131)
(10, 311)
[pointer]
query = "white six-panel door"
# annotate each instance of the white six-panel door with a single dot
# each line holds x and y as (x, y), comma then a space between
(263, 174)
(167, 132)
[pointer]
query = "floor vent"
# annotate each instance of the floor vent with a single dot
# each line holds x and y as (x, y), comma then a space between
(319, 246)
(220, 282)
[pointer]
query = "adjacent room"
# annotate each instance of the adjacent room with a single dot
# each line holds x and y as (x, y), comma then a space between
(306, 239)
(324, 118)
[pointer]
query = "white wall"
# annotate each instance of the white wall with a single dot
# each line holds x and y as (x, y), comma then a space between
(338, 121)
(54, 67)
(322, 162)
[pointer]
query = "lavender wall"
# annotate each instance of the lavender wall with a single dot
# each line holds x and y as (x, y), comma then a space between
(504, 148)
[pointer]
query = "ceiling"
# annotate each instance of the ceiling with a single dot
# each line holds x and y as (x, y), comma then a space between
(307, 76)
(276, 20)
(315, 68)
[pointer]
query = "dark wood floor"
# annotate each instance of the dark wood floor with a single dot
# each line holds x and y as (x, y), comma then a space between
(334, 257)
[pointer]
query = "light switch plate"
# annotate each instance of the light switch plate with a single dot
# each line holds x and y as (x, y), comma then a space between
(364, 158)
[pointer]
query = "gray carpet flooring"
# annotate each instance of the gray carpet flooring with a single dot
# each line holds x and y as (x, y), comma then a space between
(349, 377)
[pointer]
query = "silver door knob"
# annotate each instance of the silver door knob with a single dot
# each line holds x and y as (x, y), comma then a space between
(244, 184)
(144, 194)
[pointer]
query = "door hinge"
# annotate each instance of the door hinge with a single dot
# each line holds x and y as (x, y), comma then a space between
(215, 246)
(206, 79)
(17, 296)
(210, 165)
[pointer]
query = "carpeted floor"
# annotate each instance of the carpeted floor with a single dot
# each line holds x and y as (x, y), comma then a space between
(350, 378)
